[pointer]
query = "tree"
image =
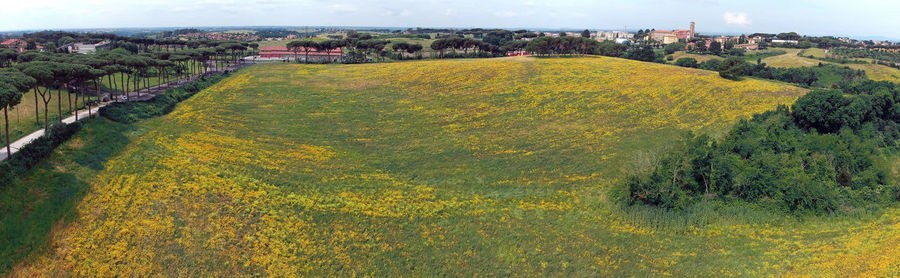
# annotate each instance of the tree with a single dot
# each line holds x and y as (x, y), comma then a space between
(13, 84)
(672, 47)
(687, 62)
(305, 46)
(46, 74)
(586, 33)
(498, 37)
(611, 49)
(7, 56)
(65, 40)
(413, 48)
(700, 46)
(820, 110)
(439, 45)
(400, 47)
(733, 68)
(641, 52)
(715, 47)
(789, 36)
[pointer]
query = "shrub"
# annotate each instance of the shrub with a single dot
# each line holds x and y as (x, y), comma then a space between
(687, 62)
(36, 151)
(733, 68)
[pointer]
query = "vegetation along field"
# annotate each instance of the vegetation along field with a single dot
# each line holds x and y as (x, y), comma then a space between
(792, 60)
(458, 167)
(22, 117)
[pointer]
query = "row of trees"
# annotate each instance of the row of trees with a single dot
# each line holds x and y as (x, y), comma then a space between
(358, 47)
(478, 48)
(402, 47)
(44, 73)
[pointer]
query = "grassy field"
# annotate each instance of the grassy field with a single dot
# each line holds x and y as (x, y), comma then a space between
(453, 167)
(791, 59)
(815, 52)
(22, 118)
(749, 56)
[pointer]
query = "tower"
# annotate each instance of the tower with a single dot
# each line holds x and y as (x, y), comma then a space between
(692, 30)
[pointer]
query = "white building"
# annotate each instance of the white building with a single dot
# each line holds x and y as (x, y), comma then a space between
(612, 35)
(785, 41)
(83, 48)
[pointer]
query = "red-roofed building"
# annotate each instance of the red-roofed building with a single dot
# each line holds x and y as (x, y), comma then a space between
(682, 34)
(19, 45)
(16, 44)
(314, 55)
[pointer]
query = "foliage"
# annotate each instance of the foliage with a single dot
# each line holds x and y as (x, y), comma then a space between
(133, 111)
(642, 52)
(687, 62)
(820, 156)
(672, 47)
(866, 53)
(36, 151)
(35, 202)
(733, 68)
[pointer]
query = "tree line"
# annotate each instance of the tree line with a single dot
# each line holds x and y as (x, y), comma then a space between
(82, 75)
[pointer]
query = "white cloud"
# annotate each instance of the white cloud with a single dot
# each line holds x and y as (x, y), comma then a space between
(736, 18)
(506, 13)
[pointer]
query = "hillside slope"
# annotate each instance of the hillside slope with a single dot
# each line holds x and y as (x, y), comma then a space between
(458, 167)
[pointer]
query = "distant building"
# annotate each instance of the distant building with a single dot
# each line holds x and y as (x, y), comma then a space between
(17, 44)
(785, 41)
(666, 37)
(82, 48)
(518, 53)
(612, 35)
(747, 46)
(623, 41)
(685, 34)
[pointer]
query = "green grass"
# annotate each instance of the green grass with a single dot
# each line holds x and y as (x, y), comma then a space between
(815, 52)
(463, 167)
(46, 198)
(22, 117)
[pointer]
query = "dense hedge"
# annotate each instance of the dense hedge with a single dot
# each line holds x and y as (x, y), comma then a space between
(130, 112)
(828, 152)
(822, 75)
(36, 151)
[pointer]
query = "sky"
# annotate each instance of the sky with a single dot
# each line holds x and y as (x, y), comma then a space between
(856, 18)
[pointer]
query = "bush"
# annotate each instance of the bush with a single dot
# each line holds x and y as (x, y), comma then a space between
(641, 52)
(711, 64)
(36, 151)
(687, 62)
(733, 68)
